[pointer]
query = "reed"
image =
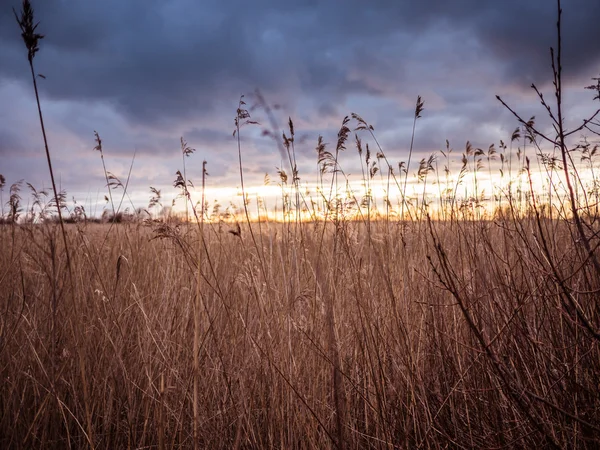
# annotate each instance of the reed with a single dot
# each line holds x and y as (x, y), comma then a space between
(463, 319)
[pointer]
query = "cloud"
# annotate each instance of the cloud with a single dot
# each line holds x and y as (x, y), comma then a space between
(145, 72)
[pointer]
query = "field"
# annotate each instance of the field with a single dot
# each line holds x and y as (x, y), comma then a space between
(451, 302)
(406, 335)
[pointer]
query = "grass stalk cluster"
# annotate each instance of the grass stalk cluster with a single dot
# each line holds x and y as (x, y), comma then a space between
(456, 320)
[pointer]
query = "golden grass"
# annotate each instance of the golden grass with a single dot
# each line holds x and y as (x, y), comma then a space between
(413, 373)
(356, 330)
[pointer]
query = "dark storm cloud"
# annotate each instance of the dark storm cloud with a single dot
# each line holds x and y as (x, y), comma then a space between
(521, 38)
(10, 144)
(160, 61)
(145, 72)
(148, 65)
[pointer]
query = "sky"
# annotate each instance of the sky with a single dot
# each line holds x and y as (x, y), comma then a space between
(144, 73)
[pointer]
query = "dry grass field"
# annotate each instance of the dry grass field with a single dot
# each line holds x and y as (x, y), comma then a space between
(448, 334)
(461, 319)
